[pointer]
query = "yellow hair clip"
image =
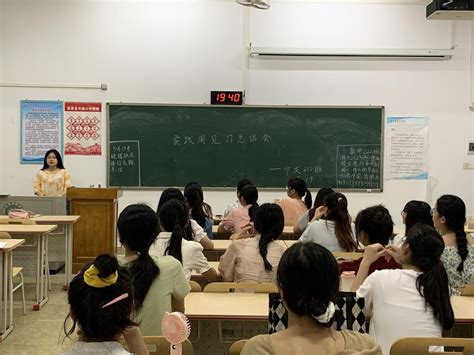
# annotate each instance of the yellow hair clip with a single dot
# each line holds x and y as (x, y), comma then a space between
(91, 277)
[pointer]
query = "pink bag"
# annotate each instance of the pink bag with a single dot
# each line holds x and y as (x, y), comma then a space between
(18, 213)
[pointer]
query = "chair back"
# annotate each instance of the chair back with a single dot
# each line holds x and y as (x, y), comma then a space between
(195, 287)
(158, 345)
(5, 235)
(236, 347)
(421, 346)
(255, 287)
(467, 290)
(350, 313)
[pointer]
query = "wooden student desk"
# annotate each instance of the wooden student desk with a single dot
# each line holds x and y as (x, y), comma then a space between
(67, 222)
(40, 233)
(6, 284)
(254, 306)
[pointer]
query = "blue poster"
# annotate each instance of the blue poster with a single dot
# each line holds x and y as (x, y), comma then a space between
(41, 129)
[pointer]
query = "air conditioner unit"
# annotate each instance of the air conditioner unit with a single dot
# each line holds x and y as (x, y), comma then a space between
(450, 10)
(336, 53)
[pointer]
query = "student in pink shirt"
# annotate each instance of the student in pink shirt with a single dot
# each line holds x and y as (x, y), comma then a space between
(293, 206)
(243, 215)
(255, 258)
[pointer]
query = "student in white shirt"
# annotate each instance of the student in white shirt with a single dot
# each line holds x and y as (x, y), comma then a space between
(303, 222)
(412, 301)
(174, 217)
(331, 226)
(193, 229)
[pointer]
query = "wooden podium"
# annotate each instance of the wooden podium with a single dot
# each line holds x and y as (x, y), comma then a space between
(94, 233)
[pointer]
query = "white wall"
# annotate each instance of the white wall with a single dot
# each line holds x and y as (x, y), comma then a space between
(179, 51)
(2, 30)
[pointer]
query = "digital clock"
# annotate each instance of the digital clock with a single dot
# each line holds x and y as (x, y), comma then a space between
(227, 97)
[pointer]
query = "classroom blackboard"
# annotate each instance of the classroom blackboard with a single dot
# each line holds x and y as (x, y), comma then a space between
(169, 145)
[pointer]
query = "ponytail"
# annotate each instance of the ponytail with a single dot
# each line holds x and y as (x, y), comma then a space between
(144, 271)
(138, 227)
(337, 212)
(195, 198)
(308, 199)
(249, 194)
(453, 209)
(299, 185)
(426, 247)
(174, 244)
(262, 248)
(269, 223)
(461, 241)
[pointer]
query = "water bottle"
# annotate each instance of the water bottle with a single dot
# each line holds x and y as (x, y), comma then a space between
(347, 278)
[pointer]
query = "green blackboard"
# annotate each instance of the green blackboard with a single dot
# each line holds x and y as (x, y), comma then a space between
(169, 145)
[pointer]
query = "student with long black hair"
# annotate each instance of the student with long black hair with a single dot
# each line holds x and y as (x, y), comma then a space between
(308, 280)
(53, 179)
(318, 207)
(242, 216)
(193, 230)
(236, 204)
(449, 216)
(255, 259)
(410, 302)
(101, 305)
(334, 230)
(293, 206)
(174, 219)
(159, 281)
(414, 212)
(200, 211)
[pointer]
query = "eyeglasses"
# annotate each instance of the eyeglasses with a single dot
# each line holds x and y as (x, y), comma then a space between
(403, 213)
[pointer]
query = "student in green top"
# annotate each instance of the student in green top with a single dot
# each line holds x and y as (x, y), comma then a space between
(159, 281)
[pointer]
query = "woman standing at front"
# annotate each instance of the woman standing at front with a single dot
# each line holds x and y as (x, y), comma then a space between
(53, 179)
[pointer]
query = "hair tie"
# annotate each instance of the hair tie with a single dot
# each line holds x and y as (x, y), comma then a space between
(92, 278)
(115, 300)
(326, 316)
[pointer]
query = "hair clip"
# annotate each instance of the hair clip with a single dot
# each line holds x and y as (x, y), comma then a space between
(115, 300)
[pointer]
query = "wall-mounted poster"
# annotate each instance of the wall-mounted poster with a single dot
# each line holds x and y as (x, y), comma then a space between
(41, 129)
(82, 125)
(407, 148)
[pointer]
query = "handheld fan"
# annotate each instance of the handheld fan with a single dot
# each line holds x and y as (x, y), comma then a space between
(176, 329)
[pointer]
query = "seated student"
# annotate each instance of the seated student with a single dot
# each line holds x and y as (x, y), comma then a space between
(255, 259)
(449, 216)
(308, 279)
(237, 204)
(332, 227)
(293, 207)
(302, 223)
(243, 215)
(100, 298)
(414, 212)
(159, 281)
(373, 225)
(410, 302)
(200, 211)
(193, 230)
(174, 217)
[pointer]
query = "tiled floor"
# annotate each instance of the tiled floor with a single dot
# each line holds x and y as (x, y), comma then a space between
(38, 332)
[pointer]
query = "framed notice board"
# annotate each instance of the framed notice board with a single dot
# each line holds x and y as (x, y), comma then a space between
(169, 145)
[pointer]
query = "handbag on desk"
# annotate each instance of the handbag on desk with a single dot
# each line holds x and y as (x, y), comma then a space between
(350, 313)
(19, 213)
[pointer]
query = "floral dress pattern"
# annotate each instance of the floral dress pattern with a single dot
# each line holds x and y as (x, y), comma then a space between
(451, 260)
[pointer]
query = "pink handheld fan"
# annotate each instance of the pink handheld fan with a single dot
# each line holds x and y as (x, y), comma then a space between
(176, 329)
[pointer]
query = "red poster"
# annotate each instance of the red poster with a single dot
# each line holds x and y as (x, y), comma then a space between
(82, 128)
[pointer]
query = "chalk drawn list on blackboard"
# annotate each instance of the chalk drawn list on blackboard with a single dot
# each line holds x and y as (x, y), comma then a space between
(124, 162)
(358, 166)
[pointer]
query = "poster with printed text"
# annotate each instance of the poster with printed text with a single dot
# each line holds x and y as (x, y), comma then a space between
(82, 128)
(407, 148)
(41, 129)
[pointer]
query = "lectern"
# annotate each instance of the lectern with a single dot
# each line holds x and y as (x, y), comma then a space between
(94, 233)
